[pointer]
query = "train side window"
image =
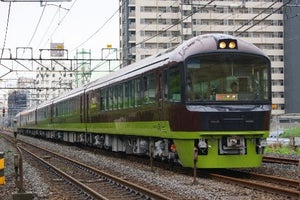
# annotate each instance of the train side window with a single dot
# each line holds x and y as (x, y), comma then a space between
(106, 99)
(126, 95)
(131, 94)
(120, 96)
(115, 97)
(138, 92)
(149, 88)
(93, 101)
(174, 84)
(102, 100)
(110, 99)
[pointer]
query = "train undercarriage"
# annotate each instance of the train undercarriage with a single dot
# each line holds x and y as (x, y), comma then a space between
(231, 151)
(160, 148)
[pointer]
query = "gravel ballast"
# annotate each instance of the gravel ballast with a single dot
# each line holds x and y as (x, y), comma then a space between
(177, 185)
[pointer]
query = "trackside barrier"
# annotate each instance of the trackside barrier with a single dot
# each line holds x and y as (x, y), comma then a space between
(2, 177)
(18, 163)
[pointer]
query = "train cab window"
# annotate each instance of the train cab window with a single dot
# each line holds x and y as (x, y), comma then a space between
(211, 77)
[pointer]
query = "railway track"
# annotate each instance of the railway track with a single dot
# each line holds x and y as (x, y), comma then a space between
(287, 188)
(282, 186)
(287, 161)
(80, 181)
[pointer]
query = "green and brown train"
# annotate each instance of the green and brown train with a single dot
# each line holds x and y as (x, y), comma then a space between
(171, 105)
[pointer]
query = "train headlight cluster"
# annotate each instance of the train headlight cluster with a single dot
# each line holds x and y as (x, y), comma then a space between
(227, 44)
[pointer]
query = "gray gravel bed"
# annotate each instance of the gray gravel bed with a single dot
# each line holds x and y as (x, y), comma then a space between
(180, 186)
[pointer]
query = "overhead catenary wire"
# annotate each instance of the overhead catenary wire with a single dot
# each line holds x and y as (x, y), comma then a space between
(253, 18)
(60, 22)
(37, 26)
(100, 28)
(6, 31)
(264, 18)
(47, 29)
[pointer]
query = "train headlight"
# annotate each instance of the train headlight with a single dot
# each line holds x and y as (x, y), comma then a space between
(222, 45)
(232, 45)
(227, 44)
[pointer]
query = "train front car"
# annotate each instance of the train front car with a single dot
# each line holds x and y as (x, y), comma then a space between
(227, 103)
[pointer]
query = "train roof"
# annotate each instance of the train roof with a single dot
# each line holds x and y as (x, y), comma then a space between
(26, 111)
(208, 44)
(69, 94)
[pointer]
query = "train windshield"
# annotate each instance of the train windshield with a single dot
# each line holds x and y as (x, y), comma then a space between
(228, 77)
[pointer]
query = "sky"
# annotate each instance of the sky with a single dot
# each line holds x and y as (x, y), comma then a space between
(77, 23)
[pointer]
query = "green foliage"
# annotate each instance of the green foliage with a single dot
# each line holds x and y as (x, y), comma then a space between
(282, 149)
(291, 132)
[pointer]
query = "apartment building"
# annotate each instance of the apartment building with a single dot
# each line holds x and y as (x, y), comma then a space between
(151, 26)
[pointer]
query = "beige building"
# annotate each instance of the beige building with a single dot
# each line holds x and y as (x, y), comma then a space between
(151, 26)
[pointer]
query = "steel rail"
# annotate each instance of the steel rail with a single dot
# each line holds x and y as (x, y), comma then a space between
(287, 192)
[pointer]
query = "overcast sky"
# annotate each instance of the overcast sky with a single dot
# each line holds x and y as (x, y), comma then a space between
(88, 24)
(74, 23)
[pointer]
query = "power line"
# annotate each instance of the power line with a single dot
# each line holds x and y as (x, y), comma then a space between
(36, 27)
(264, 18)
(99, 29)
(6, 30)
(60, 22)
(252, 19)
(46, 31)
